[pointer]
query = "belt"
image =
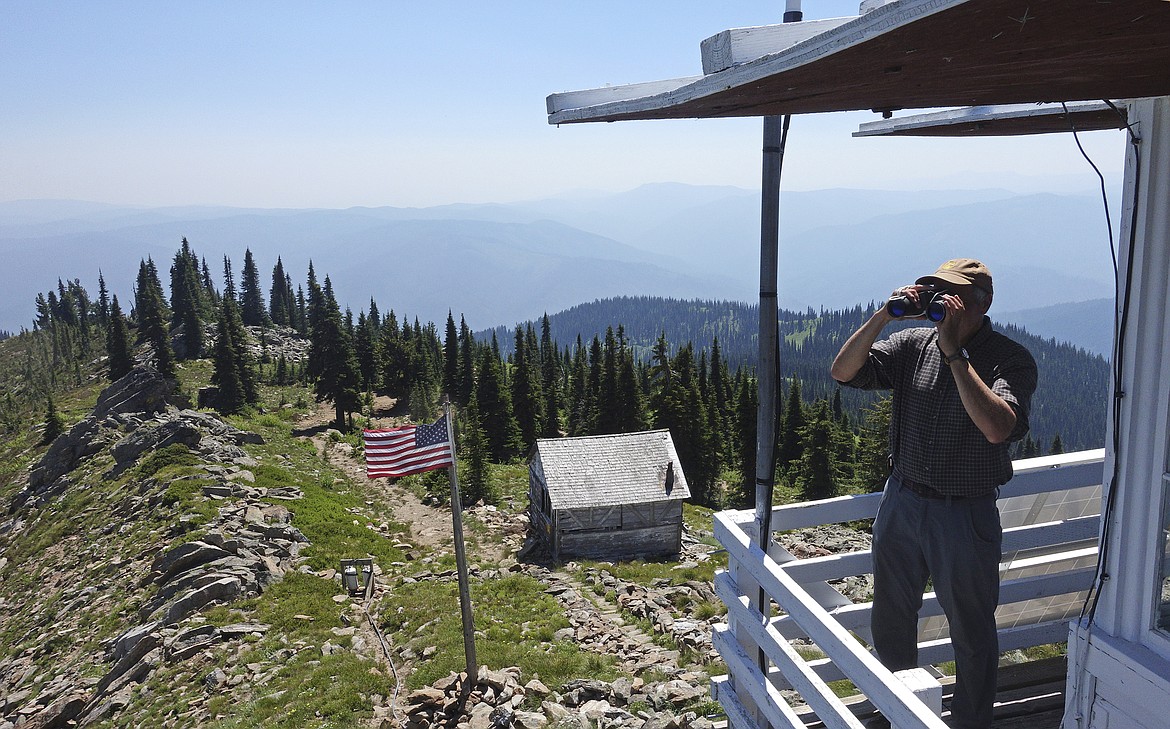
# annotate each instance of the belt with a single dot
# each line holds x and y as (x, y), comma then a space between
(925, 491)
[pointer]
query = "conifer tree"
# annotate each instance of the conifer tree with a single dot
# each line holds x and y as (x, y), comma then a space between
(579, 404)
(368, 349)
(229, 280)
(395, 359)
(451, 359)
(466, 363)
(210, 295)
(525, 390)
(818, 474)
(54, 424)
(281, 300)
(631, 402)
(746, 427)
(225, 374)
(608, 407)
(499, 423)
(300, 320)
(252, 309)
(873, 449)
(1057, 446)
(475, 449)
(791, 427)
(118, 344)
(153, 317)
(550, 381)
(103, 302)
(679, 407)
(332, 364)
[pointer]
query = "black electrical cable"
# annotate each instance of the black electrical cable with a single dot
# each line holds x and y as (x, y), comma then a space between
(1121, 323)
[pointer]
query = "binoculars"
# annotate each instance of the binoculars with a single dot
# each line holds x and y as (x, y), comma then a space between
(930, 305)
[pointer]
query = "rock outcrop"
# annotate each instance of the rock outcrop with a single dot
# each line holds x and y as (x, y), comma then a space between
(248, 544)
(498, 699)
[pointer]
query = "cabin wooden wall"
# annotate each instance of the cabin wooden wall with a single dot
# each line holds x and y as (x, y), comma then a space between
(627, 531)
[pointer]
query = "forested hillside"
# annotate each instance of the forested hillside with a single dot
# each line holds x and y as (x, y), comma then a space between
(1069, 401)
(616, 365)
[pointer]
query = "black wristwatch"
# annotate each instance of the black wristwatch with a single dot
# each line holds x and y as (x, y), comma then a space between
(961, 354)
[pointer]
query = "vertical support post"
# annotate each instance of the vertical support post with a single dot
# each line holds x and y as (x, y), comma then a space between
(461, 560)
(768, 375)
(769, 335)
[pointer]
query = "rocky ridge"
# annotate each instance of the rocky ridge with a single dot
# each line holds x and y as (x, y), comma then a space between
(245, 546)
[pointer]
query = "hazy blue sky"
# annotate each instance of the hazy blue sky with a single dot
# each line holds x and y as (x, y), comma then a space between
(335, 104)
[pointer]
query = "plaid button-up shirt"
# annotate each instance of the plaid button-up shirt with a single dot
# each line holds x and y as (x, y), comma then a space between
(934, 440)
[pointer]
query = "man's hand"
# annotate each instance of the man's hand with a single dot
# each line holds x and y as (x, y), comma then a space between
(950, 329)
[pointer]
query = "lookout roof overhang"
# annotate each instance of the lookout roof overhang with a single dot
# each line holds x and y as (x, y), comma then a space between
(1002, 121)
(916, 54)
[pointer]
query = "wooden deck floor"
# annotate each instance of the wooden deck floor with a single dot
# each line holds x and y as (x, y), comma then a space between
(1030, 696)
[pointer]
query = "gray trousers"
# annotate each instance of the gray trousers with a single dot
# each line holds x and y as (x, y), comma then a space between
(956, 543)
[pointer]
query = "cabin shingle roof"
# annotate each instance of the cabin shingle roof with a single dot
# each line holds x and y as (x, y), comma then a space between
(607, 470)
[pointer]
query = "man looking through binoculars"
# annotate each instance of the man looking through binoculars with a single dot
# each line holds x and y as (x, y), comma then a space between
(961, 395)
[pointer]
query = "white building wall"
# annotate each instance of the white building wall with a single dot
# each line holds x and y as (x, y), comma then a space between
(1119, 669)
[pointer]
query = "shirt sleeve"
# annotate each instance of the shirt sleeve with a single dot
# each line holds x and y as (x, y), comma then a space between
(1015, 381)
(878, 372)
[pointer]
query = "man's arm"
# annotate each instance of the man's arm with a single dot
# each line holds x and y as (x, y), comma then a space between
(855, 352)
(994, 417)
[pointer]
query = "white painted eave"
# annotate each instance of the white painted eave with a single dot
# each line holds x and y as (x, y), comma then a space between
(918, 54)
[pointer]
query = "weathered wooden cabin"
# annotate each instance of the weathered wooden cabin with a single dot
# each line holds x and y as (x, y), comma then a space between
(608, 496)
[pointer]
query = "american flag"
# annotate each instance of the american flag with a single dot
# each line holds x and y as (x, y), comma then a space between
(410, 449)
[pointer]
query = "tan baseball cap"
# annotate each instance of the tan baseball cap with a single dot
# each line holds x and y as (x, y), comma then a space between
(961, 272)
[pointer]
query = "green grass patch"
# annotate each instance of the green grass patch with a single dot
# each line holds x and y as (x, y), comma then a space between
(515, 622)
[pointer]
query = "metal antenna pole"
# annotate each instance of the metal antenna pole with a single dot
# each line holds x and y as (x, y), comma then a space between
(461, 560)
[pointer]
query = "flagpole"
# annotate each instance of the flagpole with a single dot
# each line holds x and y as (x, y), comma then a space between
(461, 560)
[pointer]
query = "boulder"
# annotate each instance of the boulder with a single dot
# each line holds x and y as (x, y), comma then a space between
(142, 390)
(153, 437)
(222, 589)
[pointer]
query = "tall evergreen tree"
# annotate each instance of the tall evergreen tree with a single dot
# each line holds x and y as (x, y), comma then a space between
(818, 474)
(332, 364)
(188, 305)
(103, 302)
(466, 363)
(395, 358)
(791, 427)
(118, 345)
(679, 407)
(451, 359)
(281, 299)
(525, 390)
(475, 449)
(368, 349)
(495, 405)
(225, 373)
(550, 381)
(252, 309)
(873, 449)
(229, 280)
(746, 413)
(631, 402)
(153, 317)
(54, 424)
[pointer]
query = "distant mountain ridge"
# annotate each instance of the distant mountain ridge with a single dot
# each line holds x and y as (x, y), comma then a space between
(499, 263)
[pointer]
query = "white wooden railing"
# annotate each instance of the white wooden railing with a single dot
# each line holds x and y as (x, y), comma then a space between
(1050, 514)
